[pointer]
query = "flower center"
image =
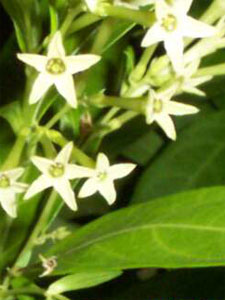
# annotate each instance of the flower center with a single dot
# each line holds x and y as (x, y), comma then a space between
(102, 175)
(55, 66)
(56, 170)
(169, 23)
(4, 182)
(157, 106)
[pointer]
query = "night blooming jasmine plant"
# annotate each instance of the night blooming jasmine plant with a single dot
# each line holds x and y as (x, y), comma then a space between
(121, 166)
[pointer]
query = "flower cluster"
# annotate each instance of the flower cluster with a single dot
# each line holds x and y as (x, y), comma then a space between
(169, 75)
(57, 173)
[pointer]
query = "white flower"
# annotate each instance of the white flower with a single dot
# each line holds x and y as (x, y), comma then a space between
(189, 84)
(133, 4)
(9, 187)
(172, 24)
(57, 69)
(160, 107)
(49, 264)
(101, 178)
(56, 173)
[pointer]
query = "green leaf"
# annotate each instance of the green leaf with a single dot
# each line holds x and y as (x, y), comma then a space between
(14, 115)
(80, 281)
(184, 230)
(196, 159)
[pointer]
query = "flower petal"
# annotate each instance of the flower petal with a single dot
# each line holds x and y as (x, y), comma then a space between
(9, 204)
(37, 61)
(162, 9)
(179, 109)
(121, 170)
(64, 155)
(75, 171)
(199, 80)
(56, 48)
(193, 90)
(40, 184)
(66, 88)
(14, 174)
(88, 188)
(196, 29)
(78, 63)
(64, 189)
(19, 187)
(40, 87)
(192, 68)
(102, 162)
(182, 6)
(166, 123)
(174, 47)
(107, 190)
(43, 164)
(154, 35)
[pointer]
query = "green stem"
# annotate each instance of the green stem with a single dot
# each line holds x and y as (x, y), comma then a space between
(145, 18)
(72, 14)
(211, 71)
(13, 158)
(83, 21)
(103, 34)
(135, 104)
(141, 67)
(43, 220)
(77, 154)
(53, 19)
(57, 117)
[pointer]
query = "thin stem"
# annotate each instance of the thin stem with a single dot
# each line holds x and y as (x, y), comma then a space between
(37, 229)
(136, 104)
(145, 18)
(111, 113)
(77, 154)
(57, 117)
(72, 14)
(141, 67)
(83, 21)
(13, 158)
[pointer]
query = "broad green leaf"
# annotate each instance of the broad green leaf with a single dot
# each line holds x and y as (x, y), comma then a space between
(80, 281)
(184, 230)
(196, 159)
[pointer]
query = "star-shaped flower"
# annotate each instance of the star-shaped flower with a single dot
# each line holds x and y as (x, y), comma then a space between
(172, 24)
(9, 187)
(56, 173)
(190, 83)
(57, 69)
(160, 107)
(102, 178)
